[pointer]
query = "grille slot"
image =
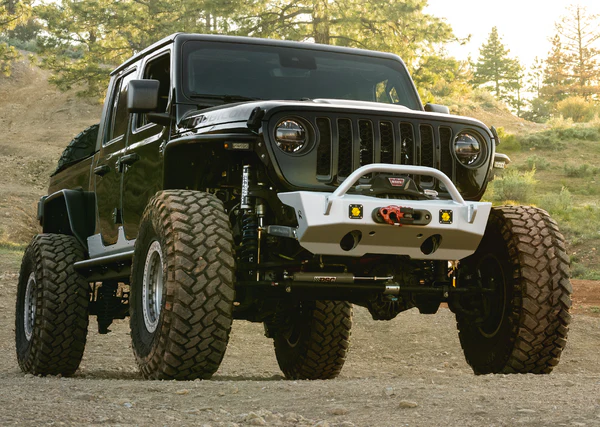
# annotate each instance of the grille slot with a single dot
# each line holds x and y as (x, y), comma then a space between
(345, 147)
(427, 156)
(365, 128)
(408, 144)
(324, 148)
(386, 130)
(446, 151)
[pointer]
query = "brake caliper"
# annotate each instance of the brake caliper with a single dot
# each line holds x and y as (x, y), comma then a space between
(396, 215)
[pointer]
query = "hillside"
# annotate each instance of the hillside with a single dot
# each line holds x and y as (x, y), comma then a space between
(37, 122)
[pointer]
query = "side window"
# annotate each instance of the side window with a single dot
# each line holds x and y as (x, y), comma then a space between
(158, 69)
(119, 116)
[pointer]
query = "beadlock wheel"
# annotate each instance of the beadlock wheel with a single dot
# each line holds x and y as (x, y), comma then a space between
(152, 288)
(29, 306)
(492, 279)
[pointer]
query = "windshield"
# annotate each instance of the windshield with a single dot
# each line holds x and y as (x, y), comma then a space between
(235, 71)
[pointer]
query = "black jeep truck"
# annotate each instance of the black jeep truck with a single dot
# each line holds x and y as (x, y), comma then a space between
(279, 182)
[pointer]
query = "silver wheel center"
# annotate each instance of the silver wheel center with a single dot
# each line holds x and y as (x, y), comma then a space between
(152, 287)
(29, 309)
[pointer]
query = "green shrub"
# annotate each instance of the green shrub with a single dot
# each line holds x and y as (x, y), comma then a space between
(537, 162)
(538, 112)
(576, 108)
(514, 185)
(546, 140)
(486, 100)
(29, 45)
(579, 171)
(557, 137)
(580, 132)
(557, 203)
(508, 141)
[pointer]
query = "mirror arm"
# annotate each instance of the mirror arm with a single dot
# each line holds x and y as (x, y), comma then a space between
(163, 119)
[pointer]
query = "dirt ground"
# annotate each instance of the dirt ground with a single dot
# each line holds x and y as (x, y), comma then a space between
(409, 371)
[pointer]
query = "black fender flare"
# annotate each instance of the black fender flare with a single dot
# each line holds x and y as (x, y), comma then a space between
(187, 156)
(71, 212)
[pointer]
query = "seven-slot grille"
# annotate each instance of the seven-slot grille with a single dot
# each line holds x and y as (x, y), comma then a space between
(346, 144)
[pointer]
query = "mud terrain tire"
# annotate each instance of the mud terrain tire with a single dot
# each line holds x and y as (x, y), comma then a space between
(52, 307)
(82, 146)
(182, 286)
(522, 261)
(311, 341)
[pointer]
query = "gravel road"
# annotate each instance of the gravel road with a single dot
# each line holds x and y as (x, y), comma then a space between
(409, 371)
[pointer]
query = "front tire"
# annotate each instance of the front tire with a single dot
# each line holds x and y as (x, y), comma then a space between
(311, 341)
(182, 286)
(523, 269)
(52, 307)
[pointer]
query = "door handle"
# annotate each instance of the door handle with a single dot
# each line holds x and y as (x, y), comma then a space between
(101, 170)
(127, 160)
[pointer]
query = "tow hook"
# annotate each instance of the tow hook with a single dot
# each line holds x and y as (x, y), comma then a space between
(396, 215)
(399, 216)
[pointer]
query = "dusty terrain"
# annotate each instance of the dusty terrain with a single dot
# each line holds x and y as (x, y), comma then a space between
(37, 122)
(409, 371)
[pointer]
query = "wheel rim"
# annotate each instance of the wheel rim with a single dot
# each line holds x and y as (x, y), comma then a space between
(152, 288)
(29, 308)
(492, 279)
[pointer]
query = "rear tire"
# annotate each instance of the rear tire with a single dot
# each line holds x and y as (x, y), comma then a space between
(182, 286)
(52, 307)
(312, 340)
(522, 263)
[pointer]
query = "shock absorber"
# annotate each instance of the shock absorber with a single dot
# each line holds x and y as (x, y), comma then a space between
(249, 246)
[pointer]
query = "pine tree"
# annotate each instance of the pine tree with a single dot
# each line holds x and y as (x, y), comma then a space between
(12, 13)
(578, 32)
(515, 98)
(556, 74)
(535, 77)
(495, 70)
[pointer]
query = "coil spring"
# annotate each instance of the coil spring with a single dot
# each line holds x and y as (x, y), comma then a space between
(249, 238)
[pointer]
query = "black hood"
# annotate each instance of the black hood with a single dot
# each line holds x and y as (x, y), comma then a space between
(236, 115)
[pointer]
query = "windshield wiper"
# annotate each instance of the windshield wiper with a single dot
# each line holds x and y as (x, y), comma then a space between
(226, 98)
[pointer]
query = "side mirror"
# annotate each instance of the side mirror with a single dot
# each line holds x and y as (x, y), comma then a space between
(142, 96)
(436, 108)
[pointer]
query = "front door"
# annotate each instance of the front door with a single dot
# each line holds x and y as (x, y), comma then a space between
(143, 177)
(107, 171)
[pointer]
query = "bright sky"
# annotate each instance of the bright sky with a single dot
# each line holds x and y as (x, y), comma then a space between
(524, 25)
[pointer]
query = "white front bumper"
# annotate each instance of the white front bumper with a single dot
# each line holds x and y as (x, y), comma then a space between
(325, 218)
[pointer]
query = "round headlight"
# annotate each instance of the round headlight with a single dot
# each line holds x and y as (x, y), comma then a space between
(290, 136)
(467, 147)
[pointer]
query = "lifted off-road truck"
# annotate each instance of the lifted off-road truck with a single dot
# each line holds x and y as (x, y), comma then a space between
(278, 182)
